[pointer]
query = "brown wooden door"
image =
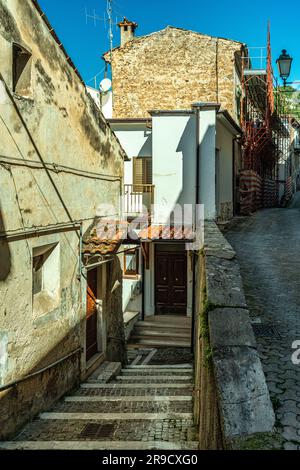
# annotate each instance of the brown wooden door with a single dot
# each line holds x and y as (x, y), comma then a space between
(171, 283)
(91, 317)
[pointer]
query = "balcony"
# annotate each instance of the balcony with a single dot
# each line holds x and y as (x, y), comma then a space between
(138, 199)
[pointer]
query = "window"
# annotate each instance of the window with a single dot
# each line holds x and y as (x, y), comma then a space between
(22, 60)
(45, 279)
(142, 173)
(131, 262)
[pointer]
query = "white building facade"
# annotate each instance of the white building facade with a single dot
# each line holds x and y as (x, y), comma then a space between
(179, 160)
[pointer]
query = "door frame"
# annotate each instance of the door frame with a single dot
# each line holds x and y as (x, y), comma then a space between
(94, 293)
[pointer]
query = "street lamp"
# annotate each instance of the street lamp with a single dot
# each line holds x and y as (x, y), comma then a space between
(284, 63)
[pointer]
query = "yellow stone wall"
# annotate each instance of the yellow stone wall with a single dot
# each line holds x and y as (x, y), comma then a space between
(171, 69)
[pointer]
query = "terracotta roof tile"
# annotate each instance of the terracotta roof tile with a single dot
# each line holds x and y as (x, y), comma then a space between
(165, 232)
(104, 237)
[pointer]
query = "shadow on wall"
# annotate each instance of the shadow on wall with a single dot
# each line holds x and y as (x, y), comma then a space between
(146, 150)
(21, 403)
(5, 256)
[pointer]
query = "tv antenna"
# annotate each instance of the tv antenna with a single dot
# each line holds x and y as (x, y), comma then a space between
(107, 19)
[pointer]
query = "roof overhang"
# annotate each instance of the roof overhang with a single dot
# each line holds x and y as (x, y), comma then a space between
(206, 106)
(170, 112)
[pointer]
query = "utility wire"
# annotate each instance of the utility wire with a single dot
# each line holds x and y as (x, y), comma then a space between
(36, 148)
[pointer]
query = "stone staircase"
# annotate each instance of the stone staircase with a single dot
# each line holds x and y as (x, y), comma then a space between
(162, 331)
(140, 407)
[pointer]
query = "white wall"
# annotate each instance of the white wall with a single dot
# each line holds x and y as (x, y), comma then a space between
(104, 101)
(136, 139)
(208, 162)
(174, 162)
(224, 143)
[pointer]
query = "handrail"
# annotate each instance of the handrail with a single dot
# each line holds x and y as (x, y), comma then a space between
(34, 374)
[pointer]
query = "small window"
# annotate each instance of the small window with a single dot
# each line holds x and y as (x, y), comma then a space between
(45, 279)
(22, 60)
(131, 263)
(125, 28)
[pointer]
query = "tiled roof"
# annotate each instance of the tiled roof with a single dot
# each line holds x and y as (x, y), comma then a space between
(104, 237)
(165, 232)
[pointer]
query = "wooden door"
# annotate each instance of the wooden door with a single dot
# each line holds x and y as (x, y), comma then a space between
(92, 314)
(171, 283)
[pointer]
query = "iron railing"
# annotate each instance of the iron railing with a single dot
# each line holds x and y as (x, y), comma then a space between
(138, 198)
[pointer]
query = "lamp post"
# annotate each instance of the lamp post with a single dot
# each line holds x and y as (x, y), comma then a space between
(284, 63)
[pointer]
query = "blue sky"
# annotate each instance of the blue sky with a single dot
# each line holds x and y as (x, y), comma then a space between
(242, 21)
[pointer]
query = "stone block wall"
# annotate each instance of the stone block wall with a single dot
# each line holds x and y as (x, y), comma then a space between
(232, 402)
(171, 69)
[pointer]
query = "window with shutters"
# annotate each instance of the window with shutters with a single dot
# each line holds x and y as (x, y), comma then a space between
(142, 173)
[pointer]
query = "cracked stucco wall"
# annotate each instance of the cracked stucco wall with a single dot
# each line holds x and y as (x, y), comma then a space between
(69, 131)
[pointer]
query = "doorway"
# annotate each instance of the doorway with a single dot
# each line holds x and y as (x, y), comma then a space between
(170, 280)
(92, 315)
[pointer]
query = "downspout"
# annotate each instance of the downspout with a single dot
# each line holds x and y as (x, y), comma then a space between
(197, 200)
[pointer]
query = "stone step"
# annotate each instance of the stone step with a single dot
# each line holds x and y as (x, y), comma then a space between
(144, 405)
(99, 445)
(145, 385)
(161, 367)
(161, 332)
(103, 427)
(127, 391)
(158, 342)
(116, 416)
(128, 398)
(160, 326)
(159, 372)
(171, 319)
(146, 377)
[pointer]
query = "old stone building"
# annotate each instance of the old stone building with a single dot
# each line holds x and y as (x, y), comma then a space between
(60, 163)
(172, 68)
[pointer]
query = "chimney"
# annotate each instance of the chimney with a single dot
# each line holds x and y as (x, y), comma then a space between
(127, 30)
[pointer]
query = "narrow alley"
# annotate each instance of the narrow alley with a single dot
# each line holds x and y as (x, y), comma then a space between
(147, 405)
(268, 246)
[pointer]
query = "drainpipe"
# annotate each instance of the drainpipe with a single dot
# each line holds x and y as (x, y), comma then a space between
(197, 200)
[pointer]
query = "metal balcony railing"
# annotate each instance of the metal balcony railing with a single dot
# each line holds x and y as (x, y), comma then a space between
(138, 199)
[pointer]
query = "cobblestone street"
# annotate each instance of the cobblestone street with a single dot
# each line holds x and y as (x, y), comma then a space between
(268, 249)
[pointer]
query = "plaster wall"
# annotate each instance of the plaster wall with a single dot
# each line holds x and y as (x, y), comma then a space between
(84, 163)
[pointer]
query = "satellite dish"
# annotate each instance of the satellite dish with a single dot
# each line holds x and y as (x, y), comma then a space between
(105, 85)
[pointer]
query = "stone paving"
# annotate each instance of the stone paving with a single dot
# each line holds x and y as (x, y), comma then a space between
(144, 405)
(268, 249)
